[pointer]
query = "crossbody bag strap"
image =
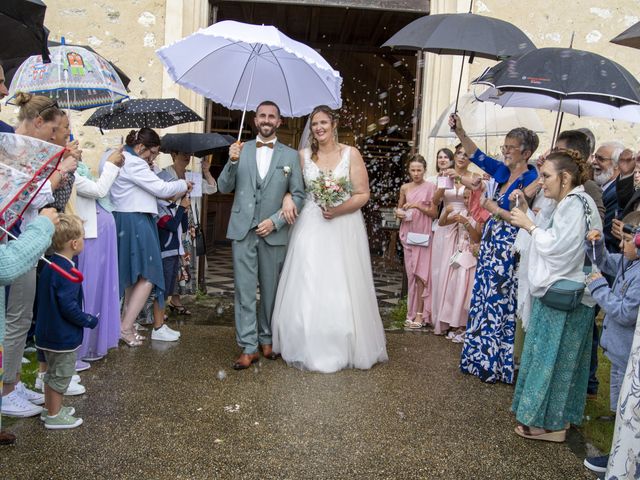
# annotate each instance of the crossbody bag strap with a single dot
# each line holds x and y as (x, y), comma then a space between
(587, 209)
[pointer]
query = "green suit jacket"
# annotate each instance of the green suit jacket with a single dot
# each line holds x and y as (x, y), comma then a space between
(252, 204)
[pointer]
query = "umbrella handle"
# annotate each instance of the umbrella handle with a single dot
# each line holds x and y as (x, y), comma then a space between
(74, 276)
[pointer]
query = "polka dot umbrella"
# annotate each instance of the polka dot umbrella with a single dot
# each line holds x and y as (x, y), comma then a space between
(146, 112)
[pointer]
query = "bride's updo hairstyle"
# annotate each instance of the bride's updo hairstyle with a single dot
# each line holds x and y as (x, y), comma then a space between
(334, 122)
(34, 106)
(572, 162)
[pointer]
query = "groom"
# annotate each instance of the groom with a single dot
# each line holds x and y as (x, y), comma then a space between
(261, 172)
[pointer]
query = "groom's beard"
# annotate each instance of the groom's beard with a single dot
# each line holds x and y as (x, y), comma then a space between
(267, 129)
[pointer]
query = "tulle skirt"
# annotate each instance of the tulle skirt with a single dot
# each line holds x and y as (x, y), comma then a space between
(326, 314)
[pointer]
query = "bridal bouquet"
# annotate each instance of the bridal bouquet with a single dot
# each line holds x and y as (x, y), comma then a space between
(329, 191)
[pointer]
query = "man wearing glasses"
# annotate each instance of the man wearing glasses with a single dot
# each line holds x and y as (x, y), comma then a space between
(605, 171)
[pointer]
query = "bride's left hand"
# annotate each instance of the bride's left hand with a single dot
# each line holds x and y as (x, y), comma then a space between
(329, 213)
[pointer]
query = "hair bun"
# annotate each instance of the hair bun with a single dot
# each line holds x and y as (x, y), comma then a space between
(22, 98)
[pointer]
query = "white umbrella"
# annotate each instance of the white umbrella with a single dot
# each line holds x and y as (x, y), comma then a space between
(580, 108)
(240, 65)
(482, 119)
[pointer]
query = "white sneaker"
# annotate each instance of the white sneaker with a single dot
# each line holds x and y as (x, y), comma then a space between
(171, 330)
(163, 334)
(13, 405)
(25, 361)
(40, 381)
(74, 388)
(29, 395)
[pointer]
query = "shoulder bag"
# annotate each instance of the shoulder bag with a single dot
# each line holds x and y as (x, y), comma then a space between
(419, 239)
(564, 294)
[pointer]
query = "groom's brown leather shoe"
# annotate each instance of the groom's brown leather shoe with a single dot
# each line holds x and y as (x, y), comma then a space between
(267, 352)
(245, 360)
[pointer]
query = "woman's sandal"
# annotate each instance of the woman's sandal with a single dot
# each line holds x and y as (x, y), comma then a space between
(557, 436)
(179, 309)
(130, 339)
(417, 323)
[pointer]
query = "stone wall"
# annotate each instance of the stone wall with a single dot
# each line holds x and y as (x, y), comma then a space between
(126, 32)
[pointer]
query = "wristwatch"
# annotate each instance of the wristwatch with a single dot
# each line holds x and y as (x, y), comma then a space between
(531, 229)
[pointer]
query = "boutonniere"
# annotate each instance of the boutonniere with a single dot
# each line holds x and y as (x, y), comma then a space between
(286, 170)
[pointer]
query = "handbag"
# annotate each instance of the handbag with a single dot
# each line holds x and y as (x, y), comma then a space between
(464, 259)
(419, 239)
(565, 294)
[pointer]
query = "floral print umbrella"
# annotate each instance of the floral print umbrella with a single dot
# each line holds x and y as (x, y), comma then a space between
(25, 163)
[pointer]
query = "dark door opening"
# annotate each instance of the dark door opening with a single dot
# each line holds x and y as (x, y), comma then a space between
(378, 91)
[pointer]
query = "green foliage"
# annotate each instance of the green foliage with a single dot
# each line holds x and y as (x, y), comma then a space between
(399, 314)
(200, 295)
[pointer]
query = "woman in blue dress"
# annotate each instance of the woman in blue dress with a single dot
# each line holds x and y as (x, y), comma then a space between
(488, 344)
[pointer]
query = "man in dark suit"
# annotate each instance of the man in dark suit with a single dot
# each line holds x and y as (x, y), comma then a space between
(624, 182)
(605, 171)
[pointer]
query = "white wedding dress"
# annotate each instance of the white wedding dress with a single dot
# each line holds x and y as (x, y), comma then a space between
(326, 314)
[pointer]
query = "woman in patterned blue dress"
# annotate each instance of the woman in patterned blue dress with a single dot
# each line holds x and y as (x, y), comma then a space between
(488, 344)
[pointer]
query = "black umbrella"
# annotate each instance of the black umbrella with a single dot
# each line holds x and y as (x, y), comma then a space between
(198, 144)
(565, 74)
(630, 37)
(149, 112)
(23, 31)
(463, 34)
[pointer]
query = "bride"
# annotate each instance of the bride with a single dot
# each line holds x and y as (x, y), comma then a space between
(326, 314)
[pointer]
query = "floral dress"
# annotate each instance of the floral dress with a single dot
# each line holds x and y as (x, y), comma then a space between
(488, 344)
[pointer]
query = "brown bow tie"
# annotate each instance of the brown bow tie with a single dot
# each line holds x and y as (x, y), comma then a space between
(261, 144)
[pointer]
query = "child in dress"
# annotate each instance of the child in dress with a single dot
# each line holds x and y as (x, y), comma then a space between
(60, 322)
(416, 210)
(462, 267)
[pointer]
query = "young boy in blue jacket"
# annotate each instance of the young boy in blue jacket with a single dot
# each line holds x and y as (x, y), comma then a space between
(620, 302)
(60, 322)
(172, 221)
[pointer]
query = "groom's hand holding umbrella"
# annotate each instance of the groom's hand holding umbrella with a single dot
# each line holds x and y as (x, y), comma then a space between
(234, 151)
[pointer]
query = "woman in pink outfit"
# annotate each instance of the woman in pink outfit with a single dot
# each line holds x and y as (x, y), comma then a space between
(450, 282)
(416, 210)
(452, 310)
